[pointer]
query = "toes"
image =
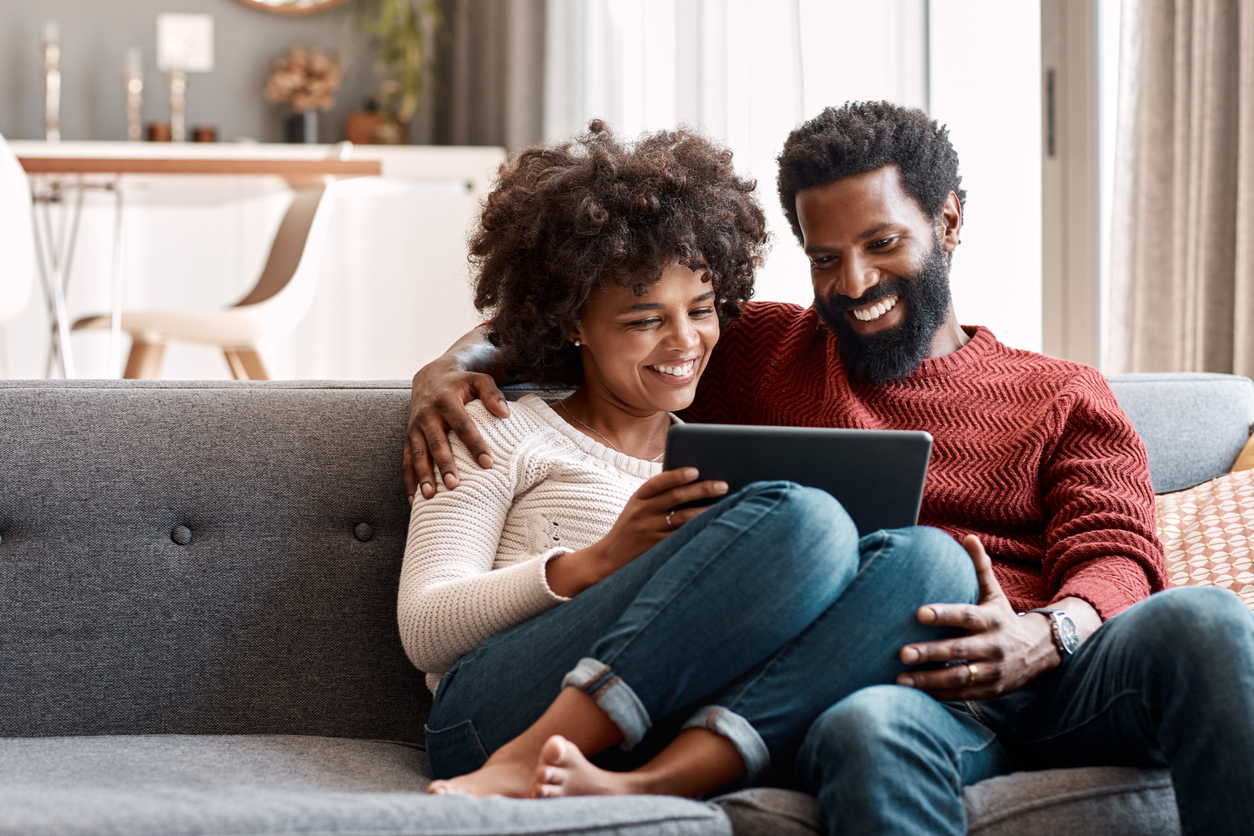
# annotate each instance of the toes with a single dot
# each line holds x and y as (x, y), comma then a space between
(554, 751)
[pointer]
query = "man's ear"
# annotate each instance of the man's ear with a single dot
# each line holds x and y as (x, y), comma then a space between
(951, 223)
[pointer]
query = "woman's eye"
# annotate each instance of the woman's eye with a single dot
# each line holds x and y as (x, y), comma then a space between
(702, 312)
(644, 323)
(823, 260)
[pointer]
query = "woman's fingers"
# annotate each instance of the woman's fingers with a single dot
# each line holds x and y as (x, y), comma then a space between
(657, 485)
(692, 491)
(679, 516)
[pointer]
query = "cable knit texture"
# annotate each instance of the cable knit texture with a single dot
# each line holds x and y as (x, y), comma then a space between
(1031, 453)
(475, 557)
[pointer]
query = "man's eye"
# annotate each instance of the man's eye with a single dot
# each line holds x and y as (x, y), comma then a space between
(822, 260)
(883, 242)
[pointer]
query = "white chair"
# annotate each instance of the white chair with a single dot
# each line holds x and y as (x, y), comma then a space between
(17, 242)
(274, 307)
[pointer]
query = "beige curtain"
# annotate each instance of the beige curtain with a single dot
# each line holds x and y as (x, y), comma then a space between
(491, 73)
(1182, 251)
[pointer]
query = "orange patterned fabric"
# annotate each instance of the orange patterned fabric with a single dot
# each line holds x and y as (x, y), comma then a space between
(1208, 531)
(1029, 452)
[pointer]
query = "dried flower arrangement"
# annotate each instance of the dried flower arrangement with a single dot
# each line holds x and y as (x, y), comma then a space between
(304, 78)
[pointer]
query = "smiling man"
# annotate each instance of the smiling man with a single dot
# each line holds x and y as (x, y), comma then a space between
(1068, 659)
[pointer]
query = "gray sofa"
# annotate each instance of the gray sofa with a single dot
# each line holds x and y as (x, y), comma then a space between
(197, 625)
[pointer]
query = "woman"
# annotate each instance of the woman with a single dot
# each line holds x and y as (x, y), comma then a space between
(563, 605)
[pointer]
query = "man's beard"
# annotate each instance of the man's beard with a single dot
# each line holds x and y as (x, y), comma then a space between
(896, 352)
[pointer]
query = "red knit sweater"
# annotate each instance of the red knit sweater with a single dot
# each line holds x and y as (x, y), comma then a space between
(1031, 453)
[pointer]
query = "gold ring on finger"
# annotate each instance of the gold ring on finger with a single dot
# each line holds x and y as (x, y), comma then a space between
(972, 673)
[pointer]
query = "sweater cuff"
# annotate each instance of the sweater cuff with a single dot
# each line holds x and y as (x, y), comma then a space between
(542, 566)
(1109, 585)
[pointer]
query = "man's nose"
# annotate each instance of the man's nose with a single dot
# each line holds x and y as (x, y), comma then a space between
(856, 278)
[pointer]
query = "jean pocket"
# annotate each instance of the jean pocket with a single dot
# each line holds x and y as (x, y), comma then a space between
(455, 750)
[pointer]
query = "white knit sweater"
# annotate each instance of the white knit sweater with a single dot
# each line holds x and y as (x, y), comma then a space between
(475, 558)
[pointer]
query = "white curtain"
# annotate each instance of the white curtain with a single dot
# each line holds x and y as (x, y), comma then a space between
(744, 72)
(1182, 267)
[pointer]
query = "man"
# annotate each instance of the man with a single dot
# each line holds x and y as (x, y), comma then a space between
(1031, 454)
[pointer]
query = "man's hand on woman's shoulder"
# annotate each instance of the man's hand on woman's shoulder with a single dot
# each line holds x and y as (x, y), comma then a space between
(437, 403)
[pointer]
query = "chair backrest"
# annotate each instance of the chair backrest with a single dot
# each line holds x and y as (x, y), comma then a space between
(17, 237)
(283, 294)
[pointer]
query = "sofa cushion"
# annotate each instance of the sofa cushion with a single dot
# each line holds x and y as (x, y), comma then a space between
(1208, 534)
(184, 785)
(1112, 801)
(191, 558)
(1193, 425)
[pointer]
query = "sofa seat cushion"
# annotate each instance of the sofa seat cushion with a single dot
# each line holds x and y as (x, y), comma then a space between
(178, 785)
(1110, 800)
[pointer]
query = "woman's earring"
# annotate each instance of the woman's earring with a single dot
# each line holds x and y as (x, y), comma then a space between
(576, 342)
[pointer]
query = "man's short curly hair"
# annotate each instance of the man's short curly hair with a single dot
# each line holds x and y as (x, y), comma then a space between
(861, 137)
(565, 218)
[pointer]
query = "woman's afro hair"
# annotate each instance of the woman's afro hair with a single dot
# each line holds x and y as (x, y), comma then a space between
(565, 218)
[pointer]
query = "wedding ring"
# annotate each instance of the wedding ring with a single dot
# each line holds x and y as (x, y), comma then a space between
(670, 524)
(972, 672)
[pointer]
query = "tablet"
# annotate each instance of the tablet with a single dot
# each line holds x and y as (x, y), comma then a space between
(877, 475)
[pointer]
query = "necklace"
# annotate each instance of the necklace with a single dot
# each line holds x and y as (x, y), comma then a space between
(609, 443)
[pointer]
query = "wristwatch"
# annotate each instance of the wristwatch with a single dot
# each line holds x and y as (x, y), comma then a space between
(1066, 636)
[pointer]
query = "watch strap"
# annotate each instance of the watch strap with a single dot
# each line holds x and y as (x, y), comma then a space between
(1055, 628)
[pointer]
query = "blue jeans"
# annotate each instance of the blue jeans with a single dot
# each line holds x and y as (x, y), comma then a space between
(750, 621)
(1167, 683)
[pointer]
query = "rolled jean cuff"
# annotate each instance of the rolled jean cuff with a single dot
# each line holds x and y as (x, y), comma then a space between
(743, 736)
(614, 696)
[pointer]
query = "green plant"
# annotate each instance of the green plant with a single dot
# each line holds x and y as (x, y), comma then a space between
(400, 31)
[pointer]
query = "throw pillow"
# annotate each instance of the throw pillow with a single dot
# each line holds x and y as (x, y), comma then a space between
(1208, 533)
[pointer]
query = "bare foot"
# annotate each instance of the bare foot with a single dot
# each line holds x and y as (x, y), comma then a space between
(507, 778)
(562, 770)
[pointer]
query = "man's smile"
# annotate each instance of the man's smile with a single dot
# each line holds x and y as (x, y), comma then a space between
(874, 311)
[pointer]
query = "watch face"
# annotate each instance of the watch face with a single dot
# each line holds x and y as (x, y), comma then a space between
(1068, 636)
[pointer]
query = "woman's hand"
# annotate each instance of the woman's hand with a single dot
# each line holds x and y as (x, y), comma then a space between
(646, 521)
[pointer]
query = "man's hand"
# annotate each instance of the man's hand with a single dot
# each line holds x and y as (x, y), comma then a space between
(437, 403)
(1002, 649)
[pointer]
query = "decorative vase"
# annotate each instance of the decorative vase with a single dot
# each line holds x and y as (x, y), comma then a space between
(303, 127)
(368, 127)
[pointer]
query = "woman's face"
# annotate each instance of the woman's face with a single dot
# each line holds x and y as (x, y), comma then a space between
(646, 353)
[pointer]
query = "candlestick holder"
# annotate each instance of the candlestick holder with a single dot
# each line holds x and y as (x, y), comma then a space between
(134, 80)
(52, 81)
(178, 105)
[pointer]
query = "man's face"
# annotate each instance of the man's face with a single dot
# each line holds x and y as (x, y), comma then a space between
(880, 271)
